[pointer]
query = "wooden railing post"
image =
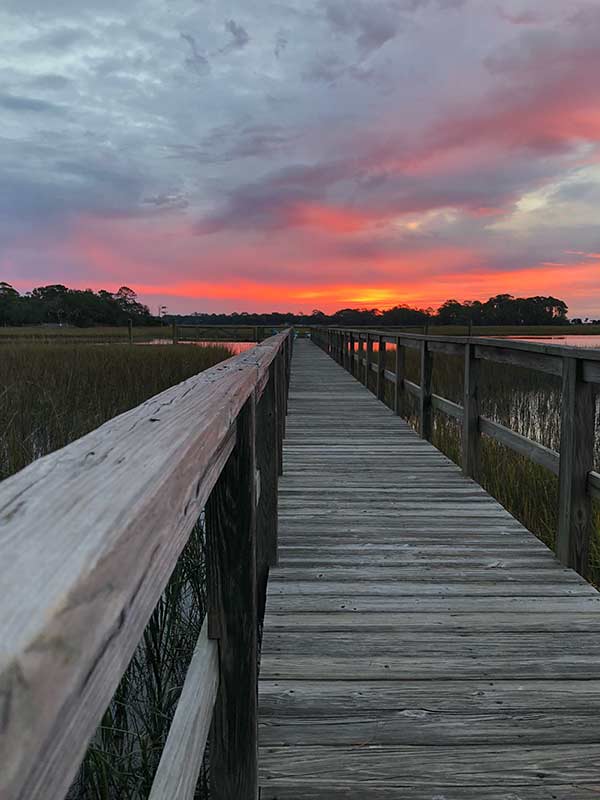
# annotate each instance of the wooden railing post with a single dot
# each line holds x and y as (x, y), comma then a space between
(267, 462)
(351, 346)
(359, 363)
(471, 437)
(232, 610)
(425, 410)
(381, 368)
(576, 461)
(347, 352)
(368, 355)
(174, 333)
(279, 408)
(400, 371)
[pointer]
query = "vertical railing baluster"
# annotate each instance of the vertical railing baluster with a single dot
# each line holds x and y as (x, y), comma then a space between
(425, 409)
(368, 356)
(576, 461)
(400, 372)
(471, 438)
(232, 610)
(381, 344)
(267, 478)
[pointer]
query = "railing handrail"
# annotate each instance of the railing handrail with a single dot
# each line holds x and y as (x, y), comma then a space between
(579, 369)
(485, 341)
(89, 536)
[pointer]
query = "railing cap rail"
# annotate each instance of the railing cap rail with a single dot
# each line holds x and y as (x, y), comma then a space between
(484, 341)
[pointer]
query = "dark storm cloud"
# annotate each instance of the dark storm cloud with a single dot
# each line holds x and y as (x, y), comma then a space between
(195, 60)
(266, 203)
(239, 36)
(281, 42)
(232, 142)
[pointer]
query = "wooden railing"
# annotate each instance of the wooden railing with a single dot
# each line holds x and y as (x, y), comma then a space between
(223, 333)
(89, 537)
(578, 368)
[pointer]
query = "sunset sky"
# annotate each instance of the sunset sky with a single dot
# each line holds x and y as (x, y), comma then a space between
(221, 155)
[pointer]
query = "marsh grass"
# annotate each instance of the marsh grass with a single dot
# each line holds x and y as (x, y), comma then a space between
(124, 754)
(102, 333)
(49, 396)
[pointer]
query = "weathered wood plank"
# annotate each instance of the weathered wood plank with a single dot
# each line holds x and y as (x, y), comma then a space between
(447, 407)
(389, 667)
(181, 760)
(539, 361)
(404, 767)
(233, 616)
(521, 444)
(475, 621)
(305, 698)
(416, 726)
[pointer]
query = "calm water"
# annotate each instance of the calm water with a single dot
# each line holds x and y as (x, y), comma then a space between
(566, 340)
(236, 347)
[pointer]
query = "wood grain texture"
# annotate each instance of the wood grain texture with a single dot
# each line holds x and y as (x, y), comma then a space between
(268, 473)
(536, 452)
(233, 616)
(181, 760)
(419, 643)
(89, 536)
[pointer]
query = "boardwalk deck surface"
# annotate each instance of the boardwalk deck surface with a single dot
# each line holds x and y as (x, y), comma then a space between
(419, 643)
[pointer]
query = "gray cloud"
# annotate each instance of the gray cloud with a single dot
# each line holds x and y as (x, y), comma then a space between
(281, 42)
(372, 25)
(17, 103)
(50, 82)
(195, 61)
(61, 38)
(239, 36)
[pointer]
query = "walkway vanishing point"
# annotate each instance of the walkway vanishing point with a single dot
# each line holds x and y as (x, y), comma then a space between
(419, 643)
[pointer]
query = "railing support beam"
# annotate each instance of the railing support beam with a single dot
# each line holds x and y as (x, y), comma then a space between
(400, 372)
(576, 461)
(425, 408)
(471, 437)
(381, 368)
(232, 589)
(368, 358)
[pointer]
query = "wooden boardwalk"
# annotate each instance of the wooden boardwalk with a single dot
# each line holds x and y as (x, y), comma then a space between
(419, 643)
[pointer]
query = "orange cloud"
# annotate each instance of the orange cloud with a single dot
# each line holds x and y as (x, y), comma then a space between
(328, 218)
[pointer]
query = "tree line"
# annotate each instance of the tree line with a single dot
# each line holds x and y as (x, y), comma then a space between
(58, 305)
(503, 309)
